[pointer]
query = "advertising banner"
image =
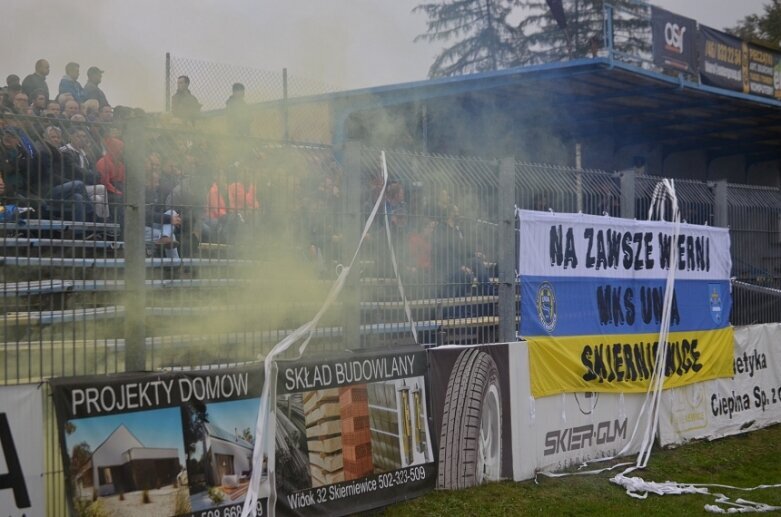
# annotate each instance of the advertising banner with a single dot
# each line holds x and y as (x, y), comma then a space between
(577, 427)
(471, 397)
(352, 433)
(592, 290)
(722, 61)
(777, 75)
(159, 443)
(481, 395)
(21, 463)
(674, 40)
(761, 69)
(750, 400)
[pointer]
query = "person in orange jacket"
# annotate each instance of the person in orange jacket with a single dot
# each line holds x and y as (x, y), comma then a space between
(227, 206)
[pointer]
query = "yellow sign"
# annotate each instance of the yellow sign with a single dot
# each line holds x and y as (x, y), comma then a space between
(625, 362)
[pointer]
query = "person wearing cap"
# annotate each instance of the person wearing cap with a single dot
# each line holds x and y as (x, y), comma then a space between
(69, 82)
(92, 90)
(37, 80)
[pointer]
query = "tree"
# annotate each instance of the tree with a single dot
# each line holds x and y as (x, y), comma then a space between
(246, 435)
(764, 29)
(80, 455)
(583, 34)
(492, 34)
(484, 39)
(194, 416)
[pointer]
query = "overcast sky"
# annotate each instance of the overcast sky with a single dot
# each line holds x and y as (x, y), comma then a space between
(343, 43)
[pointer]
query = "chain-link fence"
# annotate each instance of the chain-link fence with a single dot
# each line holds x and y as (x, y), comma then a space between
(212, 82)
(131, 247)
(231, 98)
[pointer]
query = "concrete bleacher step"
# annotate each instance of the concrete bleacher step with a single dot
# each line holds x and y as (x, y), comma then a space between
(44, 318)
(39, 287)
(25, 242)
(115, 263)
(24, 225)
(264, 336)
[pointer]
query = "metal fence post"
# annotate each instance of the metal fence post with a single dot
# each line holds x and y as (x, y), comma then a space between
(579, 176)
(721, 204)
(167, 82)
(351, 231)
(285, 122)
(135, 252)
(628, 194)
(506, 259)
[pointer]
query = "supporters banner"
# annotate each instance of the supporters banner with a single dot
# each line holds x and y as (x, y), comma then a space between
(352, 433)
(674, 40)
(592, 290)
(167, 444)
(722, 60)
(21, 463)
(750, 400)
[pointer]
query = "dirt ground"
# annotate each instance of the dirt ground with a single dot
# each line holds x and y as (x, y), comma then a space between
(162, 503)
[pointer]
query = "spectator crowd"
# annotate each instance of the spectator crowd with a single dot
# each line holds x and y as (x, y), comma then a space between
(64, 157)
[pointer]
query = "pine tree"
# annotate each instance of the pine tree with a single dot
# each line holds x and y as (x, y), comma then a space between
(483, 38)
(487, 38)
(584, 33)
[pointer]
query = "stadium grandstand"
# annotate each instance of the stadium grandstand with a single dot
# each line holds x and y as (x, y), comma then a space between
(134, 241)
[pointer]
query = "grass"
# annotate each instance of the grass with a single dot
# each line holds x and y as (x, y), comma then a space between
(745, 461)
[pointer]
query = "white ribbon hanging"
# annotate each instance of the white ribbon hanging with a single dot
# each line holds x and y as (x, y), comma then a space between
(265, 428)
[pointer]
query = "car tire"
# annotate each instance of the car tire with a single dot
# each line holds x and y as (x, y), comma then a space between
(470, 446)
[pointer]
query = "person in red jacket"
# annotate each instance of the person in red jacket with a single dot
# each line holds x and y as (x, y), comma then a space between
(111, 167)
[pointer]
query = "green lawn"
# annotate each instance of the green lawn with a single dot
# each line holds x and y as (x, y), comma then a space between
(747, 460)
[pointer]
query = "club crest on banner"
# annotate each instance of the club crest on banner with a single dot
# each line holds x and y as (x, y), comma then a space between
(546, 306)
(715, 302)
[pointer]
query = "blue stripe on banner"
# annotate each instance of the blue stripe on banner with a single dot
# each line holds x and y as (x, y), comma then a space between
(593, 306)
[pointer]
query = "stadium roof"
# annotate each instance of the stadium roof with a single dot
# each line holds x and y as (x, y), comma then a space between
(588, 97)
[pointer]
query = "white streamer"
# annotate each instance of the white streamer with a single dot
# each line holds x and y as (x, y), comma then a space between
(636, 486)
(404, 301)
(563, 408)
(265, 428)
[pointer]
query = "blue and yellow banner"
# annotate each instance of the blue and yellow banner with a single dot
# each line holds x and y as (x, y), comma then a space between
(592, 297)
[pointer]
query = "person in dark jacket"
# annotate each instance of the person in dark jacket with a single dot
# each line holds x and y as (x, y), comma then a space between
(161, 224)
(92, 89)
(63, 186)
(37, 80)
(183, 103)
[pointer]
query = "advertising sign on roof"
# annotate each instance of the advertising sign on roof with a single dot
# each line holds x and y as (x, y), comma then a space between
(721, 59)
(674, 40)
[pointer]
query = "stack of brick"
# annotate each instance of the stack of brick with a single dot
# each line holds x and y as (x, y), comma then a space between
(323, 435)
(356, 433)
